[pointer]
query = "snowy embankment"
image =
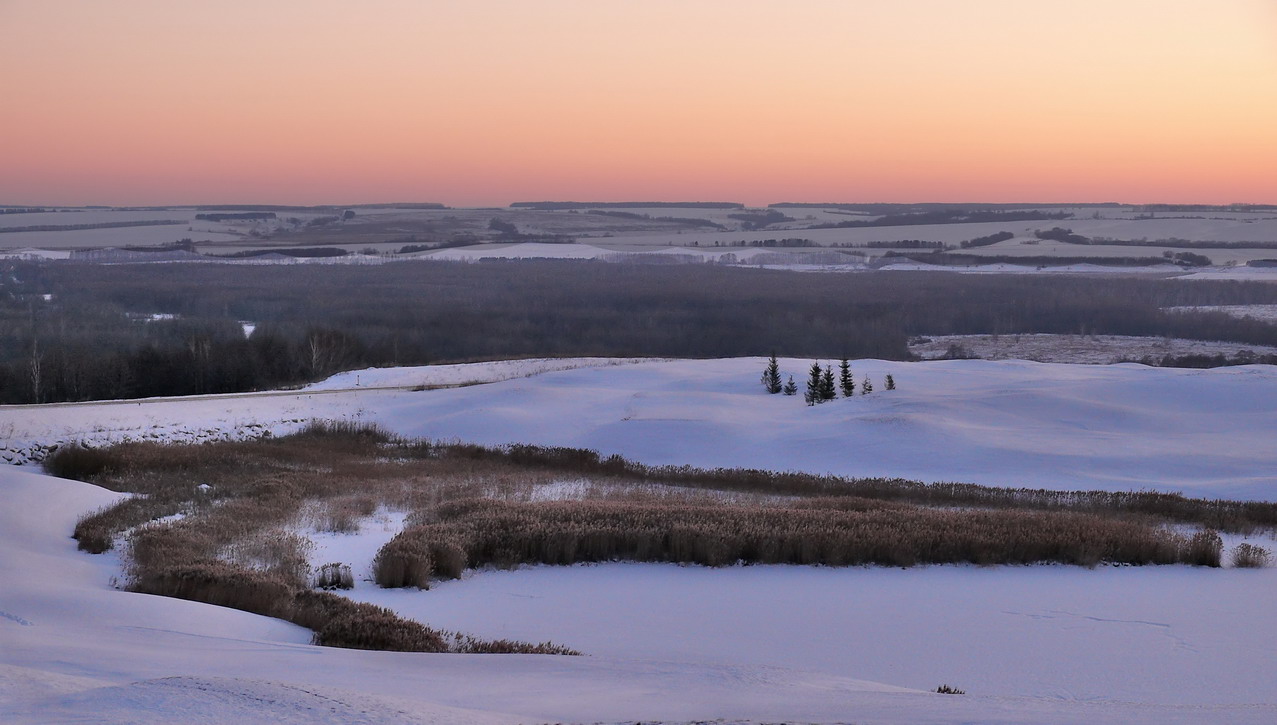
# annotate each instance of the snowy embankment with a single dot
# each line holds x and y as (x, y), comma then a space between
(29, 432)
(1009, 423)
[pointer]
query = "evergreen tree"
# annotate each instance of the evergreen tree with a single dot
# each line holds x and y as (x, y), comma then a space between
(791, 388)
(771, 376)
(891, 383)
(828, 391)
(812, 396)
(845, 380)
(866, 387)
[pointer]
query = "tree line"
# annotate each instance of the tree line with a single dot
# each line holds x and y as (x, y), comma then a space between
(87, 341)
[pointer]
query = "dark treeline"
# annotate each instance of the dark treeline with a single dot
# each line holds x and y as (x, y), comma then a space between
(566, 205)
(946, 216)
(237, 216)
(97, 225)
(687, 221)
(315, 320)
(905, 207)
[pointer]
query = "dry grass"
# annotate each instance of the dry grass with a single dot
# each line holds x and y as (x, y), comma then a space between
(334, 576)
(826, 531)
(243, 502)
(1250, 556)
(236, 545)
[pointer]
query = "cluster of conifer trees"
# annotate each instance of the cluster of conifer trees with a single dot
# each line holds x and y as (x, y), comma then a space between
(821, 384)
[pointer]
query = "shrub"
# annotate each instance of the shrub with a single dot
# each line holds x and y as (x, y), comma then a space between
(1203, 549)
(947, 690)
(334, 576)
(1249, 556)
(79, 462)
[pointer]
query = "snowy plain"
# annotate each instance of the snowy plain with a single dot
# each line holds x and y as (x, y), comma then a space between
(1092, 349)
(1007, 423)
(1030, 644)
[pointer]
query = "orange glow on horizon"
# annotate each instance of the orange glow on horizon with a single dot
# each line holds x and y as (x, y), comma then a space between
(487, 102)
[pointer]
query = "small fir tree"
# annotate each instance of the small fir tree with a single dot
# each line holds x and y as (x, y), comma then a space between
(866, 387)
(771, 376)
(812, 396)
(891, 383)
(791, 388)
(845, 380)
(828, 391)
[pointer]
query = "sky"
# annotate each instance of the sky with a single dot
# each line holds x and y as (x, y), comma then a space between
(486, 102)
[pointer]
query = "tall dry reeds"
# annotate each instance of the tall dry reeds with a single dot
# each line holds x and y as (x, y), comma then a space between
(830, 531)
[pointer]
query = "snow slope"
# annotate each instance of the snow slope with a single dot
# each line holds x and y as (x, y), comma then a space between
(1136, 634)
(1117, 427)
(1031, 644)
(75, 650)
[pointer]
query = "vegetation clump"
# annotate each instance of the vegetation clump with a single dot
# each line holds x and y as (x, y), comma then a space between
(1250, 556)
(219, 522)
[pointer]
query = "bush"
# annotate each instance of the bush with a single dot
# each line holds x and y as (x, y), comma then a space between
(1203, 549)
(80, 462)
(1249, 556)
(947, 690)
(334, 576)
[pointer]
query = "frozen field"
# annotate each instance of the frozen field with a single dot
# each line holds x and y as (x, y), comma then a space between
(1029, 644)
(1263, 313)
(1092, 349)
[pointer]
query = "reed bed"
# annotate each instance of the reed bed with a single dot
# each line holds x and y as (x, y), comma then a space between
(218, 522)
(832, 532)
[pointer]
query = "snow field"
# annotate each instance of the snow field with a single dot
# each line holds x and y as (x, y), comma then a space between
(1087, 349)
(1007, 423)
(1030, 644)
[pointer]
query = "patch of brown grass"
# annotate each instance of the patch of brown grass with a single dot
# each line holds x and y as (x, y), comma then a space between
(828, 531)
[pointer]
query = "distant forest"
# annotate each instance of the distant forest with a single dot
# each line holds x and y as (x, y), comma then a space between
(95, 336)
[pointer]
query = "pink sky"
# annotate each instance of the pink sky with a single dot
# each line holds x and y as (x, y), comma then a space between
(481, 102)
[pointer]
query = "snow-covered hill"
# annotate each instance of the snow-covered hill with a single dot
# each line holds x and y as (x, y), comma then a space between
(75, 650)
(1033, 644)
(1117, 427)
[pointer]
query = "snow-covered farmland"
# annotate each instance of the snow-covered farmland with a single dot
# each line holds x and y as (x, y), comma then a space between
(1263, 313)
(1092, 349)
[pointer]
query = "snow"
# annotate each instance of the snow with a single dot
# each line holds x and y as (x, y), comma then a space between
(1263, 313)
(1012, 423)
(1030, 644)
(28, 432)
(32, 254)
(358, 549)
(1252, 274)
(461, 374)
(1090, 349)
(527, 250)
(1138, 634)
(667, 643)
(1004, 268)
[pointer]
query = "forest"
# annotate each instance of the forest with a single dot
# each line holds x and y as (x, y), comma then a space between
(72, 331)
